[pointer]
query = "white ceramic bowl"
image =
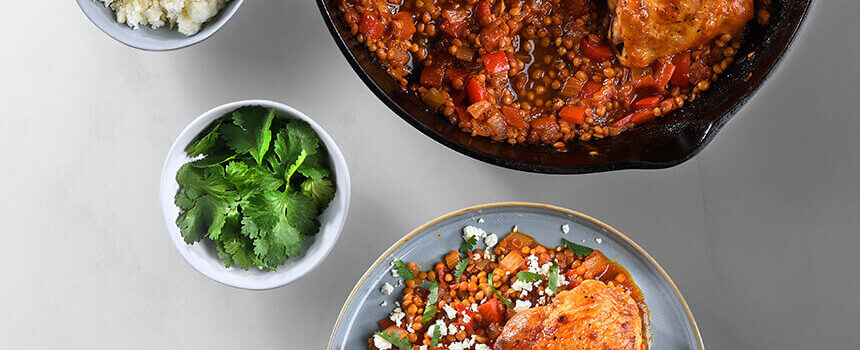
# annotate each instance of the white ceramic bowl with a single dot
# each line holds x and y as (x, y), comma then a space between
(202, 255)
(146, 38)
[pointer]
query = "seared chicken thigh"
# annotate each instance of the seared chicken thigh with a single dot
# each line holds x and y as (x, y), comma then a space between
(651, 29)
(592, 316)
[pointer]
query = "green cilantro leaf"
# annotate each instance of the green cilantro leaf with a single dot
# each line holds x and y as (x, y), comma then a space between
(302, 213)
(432, 299)
(498, 295)
(315, 167)
(469, 245)
(403, 271)
(460, 268)
(321, 191)
(249, 178)
(437, 334)
(395, 339)
(553, 278)
(528, 277)
(578, 250)
(204, 144)
(250, 131)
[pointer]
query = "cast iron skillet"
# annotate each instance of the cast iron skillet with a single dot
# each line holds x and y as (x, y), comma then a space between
(663, 143)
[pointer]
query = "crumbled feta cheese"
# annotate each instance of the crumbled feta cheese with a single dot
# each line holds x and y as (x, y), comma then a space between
(482, 347)
(187, 15)
(515, 229)
(463, 345)
(472, 231)
(399, 283)
(466, 318)
(394, 273)
(522, 305)
(450, 311)
(452, 329)
(544, 269)
(481, 220)
(533, 264)
(491, 241)
(422, 347)
(383, 303)
(598, 240)
(565, 228)
(397, 316)
(473, 307)
(381, 343)
(522, 286)
(387, 288)
(443, 328)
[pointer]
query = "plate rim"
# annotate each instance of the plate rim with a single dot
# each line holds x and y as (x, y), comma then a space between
(425, 226)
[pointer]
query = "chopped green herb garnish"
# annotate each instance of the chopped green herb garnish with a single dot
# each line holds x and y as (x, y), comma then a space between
(395, 339)
(403, 271)
(437, 334)
(237, 194)
(577, 249)
(553, 278)
(498, 295)
(528, 277)
(461, 267)
(432, 299)
(469, 245)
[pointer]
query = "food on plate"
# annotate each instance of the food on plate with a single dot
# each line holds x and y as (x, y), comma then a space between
(592, 316)
(254, 188)
(186, 15)
(552, 72)
(515, 294)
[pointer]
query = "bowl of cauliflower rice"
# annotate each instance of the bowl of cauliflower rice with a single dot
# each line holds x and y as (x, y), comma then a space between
(159, 25)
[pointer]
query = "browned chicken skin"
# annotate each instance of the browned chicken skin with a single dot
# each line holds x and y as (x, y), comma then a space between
(592, 316)
(651, 29)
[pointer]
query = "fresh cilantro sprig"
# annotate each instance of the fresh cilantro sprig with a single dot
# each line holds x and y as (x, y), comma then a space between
(528, 277)
(460, 268)
(237, 192)
(437, 334)
(578, 250)
(403, 270)
(498, 295)
(401, 342)
(469, 245)
(432, 299)
(552, 279)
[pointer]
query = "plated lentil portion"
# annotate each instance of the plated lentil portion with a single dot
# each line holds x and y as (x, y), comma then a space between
(548, 72)
(516, 294)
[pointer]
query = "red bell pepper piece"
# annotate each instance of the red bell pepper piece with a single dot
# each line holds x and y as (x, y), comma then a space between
(483, 12)
(642, 117)
(681, 77)
(455, 24)
(664, 73)
(406, 25)
(647, 103)
(492, 311)
(475, 91)
(432, 76)
(596, 52)
(371, 27)
(590, 88)
(515, 117)
(572, 114)
(496, 62)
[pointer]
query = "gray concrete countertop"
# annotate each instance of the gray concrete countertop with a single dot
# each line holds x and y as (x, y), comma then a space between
(760, 231)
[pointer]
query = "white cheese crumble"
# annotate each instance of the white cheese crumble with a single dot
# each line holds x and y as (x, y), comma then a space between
(452, 329)
(383, 303)
(450, 311)
(387, 288)
(515, 229)
(482, 347)
(463, 345)
(472, 231)
(443, 328)
(397, 316)
(598, 240)
(533, 264)
(467, 319)
(481, 220)
(381, 343)
(522, 287)
(565, 228)
(187, 15)
(474, 307)
(522, 305)
(491, 241)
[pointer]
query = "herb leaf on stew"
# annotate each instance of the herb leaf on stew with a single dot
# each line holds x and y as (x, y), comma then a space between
(460, 268)
(469, 245)
(437, 334)
(498, 295)
(552, 279)
(395, 339)
(403, 271)
(432, 299)
(528, 277)
(580, 251)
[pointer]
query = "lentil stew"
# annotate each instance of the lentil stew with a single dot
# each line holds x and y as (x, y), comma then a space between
(466, 300)
(527, 72)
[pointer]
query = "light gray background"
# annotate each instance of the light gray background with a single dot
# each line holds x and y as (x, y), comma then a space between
(760, 231)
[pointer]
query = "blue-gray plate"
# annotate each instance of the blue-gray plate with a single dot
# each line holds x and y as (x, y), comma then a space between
(672, 323)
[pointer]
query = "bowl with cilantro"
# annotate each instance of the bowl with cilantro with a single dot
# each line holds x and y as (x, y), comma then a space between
(254, 194)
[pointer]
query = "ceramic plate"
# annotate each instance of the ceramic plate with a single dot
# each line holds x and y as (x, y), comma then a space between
(672, 322)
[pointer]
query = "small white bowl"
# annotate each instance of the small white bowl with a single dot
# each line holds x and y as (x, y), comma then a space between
(146, 38)
(204, 258)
